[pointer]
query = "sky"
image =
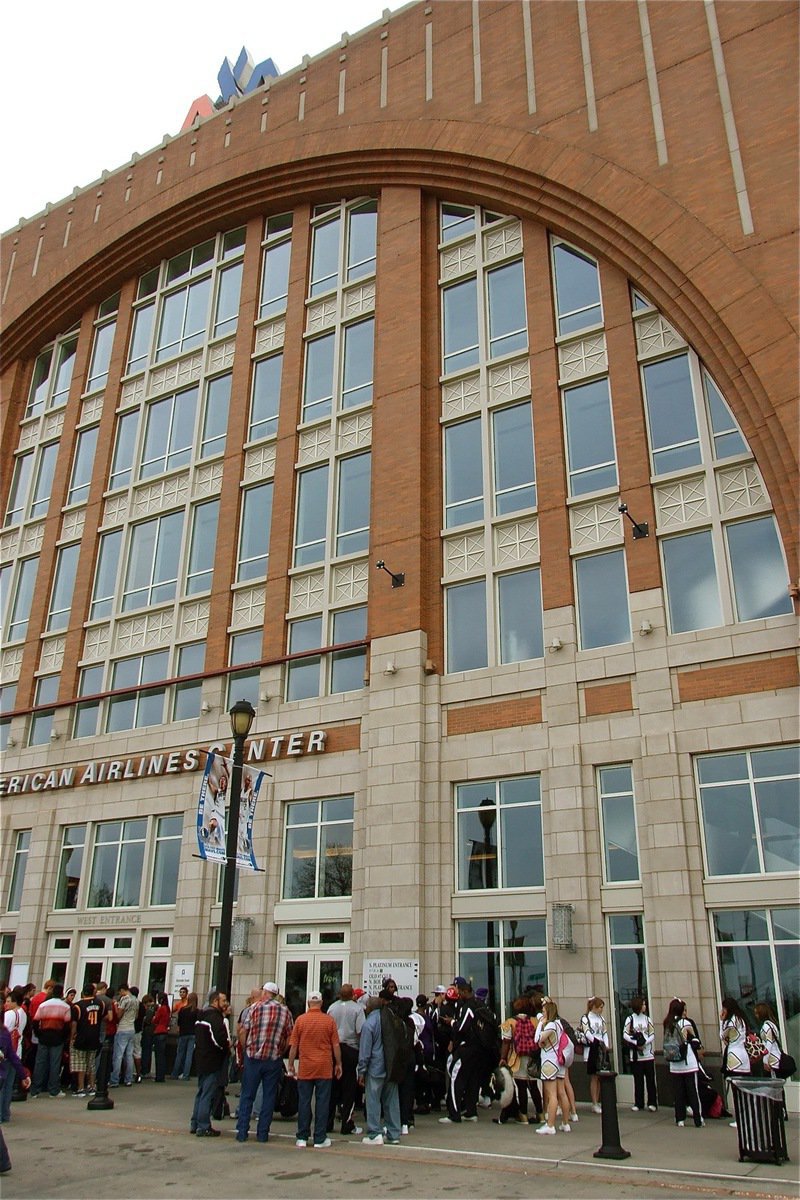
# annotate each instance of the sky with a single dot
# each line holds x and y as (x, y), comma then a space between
(88, 84)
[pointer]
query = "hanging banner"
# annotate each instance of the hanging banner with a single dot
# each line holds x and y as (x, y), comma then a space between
(212, 814)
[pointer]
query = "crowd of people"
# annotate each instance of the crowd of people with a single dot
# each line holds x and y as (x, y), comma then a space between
(393, 1057)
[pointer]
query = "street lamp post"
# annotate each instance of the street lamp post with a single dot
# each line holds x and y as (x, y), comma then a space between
(242, 715)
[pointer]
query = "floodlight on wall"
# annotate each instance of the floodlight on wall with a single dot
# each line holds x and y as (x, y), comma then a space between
(390, 668)
(645, 628)
(398, 577)
(205, 708)
(240, 936)
(555, 645)
(562, 927)
(641, 529)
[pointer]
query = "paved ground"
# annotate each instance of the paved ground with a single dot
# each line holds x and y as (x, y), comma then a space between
(142, 1148)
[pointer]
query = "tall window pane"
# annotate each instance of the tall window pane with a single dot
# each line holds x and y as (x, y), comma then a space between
(23, 599)
(519, 598)
(244, 685)
(691, 580)
(166, 860)
(215, 416)
(325, 257)
(202, 547)
(266, 397)
(347, 666)
(63, 586)
(20, 486)
(124, 447)
(590, 438)
(508, 325)
(725, 432)
(620, 852)
(466, 626)
(228, 288)
(40, 501)
(254, 534)
(303, 674)
(674, 440)
(352, 518)
(460, 325)
(153, 562)
(82, 466)
(18, 869)
(463, 473)
(63, 379)
(362, 240)
(275, 280)
(188, 695)
(514, 481)
(760, 578)
(312, 516)
(101, 356)
(318, 390)
(140, 338)
(602, 593)
(357, 373)
(577, 289)
(70, 867)
(105, 577)
(169, 433)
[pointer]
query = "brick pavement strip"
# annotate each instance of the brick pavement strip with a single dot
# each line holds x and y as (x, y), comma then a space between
(142, 1148)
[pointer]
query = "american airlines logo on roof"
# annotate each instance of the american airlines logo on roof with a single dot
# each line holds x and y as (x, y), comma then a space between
(235, 80)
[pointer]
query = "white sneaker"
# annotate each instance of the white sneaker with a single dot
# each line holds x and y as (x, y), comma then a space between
(598, 1108)
(551, 1129)
(485, 1101)
(652, 1108)
(404, 1131)
(301, 1143)
(323, 1145)
(565, 1128)
(372, 1139)
(732, 1124)
(447, 1121)
(680, 1124)
(573, 1118)
(469, 1118)
(635, 1108)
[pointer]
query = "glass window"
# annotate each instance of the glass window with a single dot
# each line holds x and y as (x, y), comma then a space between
(577, 284)
(726, 435)
(23, 599)
(507, 957)
(318, 856)
(758, 960)
(303, 674)
(591, 456)
(101, 356)
(466, 626)
(266, 398)
(690, 576)
(674, 441)
(124, 446)
(232, 244)
(18, 868)
(318, 388)
(463, 473)
(618, 824)
(760, 577)
(40, 383)
(312, 516)
(508, 323)
(153, 562)
(63, 379)
(514, 472)
(244, 685)
(352, 510)
(184, 317)
(202, 547)
(141, 337)
(70, 866)
(749, 811)
(348, 666)
(602, 596)
(254, 532)
(519, 602)
(166, 860)
(186, 704)
(63, 586)
(82, 466)
(40, 501)
(86, 712)
(136, 709)
(105, 577)
(357, 372)
(500, 834)
(275, 279)
(457, 221)
(169, 433)
(460, 325)
(117, 862)
(215, 416)
(628, 972)
(362, 240)
(42, 722)
(20, 487)
(325, 257)
(229, 285)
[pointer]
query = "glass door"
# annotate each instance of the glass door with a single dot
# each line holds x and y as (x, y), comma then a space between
(107, 957)
(312, 960)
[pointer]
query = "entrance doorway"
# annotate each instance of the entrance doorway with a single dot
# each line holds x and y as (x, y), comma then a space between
(312, 960)
(108, 957)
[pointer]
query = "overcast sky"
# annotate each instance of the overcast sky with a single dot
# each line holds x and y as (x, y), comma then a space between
(86, 84)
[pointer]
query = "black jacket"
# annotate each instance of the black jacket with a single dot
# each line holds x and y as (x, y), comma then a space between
(211, 1041)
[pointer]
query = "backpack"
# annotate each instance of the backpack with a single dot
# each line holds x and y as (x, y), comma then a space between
(522, 1036)
(487, 1031)
(675, 1045)
(565, 1051)
(570, 1032)
(398, 1044)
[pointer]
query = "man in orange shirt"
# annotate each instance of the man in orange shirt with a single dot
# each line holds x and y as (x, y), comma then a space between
(315, 1040)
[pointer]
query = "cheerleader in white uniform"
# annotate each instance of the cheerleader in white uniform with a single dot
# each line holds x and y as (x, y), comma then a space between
(732, 1035)
(640, 1035)
(594, 1034)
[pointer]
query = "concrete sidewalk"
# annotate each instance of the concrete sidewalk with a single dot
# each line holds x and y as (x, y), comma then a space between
(142, 1147)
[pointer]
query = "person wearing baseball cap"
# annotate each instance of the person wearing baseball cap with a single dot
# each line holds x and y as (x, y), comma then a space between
(315, 1041)
(264, 1034)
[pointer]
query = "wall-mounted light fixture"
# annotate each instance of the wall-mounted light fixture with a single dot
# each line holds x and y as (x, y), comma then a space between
(645, 628)
(555, 645)
(240, 936)
(264, 697)
(562, 927)
(54, 735)
(398, 577)
(205, 708)
(641, 529)
(390, 668)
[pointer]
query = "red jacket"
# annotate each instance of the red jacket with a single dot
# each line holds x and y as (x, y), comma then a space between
(161, 1019)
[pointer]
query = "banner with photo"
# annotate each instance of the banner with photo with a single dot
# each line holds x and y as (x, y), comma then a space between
(212, 812)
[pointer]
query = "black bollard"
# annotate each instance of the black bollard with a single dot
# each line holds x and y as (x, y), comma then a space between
(100, 1099)
(611, 1147)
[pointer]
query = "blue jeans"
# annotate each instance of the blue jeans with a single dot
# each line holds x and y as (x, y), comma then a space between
(381, 1093)
(47, 1070)
(266, 1074)
(305, 1090)
(183, 1057)
(6, 1092)
(123, 1050)
(201, 1113)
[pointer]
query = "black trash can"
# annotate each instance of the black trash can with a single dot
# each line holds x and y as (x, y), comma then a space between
(758, 1108)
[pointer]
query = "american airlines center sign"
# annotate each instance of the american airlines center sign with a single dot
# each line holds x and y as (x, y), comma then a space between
(145, 766)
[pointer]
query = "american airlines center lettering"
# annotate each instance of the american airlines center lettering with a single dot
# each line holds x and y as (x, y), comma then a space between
(145, 766)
